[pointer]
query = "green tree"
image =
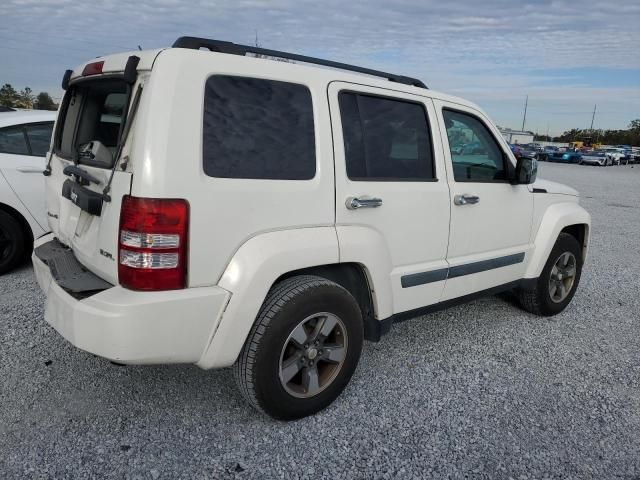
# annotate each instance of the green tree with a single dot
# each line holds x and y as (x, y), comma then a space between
(44, 102)
(25, 98)
(8, 95)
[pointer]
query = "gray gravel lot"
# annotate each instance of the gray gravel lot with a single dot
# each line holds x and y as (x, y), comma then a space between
(483, 390)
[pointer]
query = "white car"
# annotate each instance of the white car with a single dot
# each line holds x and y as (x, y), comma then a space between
(24, 141)
(596, 157)
(616, 155)
(220, 209)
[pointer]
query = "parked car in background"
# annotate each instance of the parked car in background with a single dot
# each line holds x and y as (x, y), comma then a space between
(516, 149)
(627, 151)
(567, 156)
(616, 155)
(597, 157)
(529, 151)
(545, 152)
(24, 141)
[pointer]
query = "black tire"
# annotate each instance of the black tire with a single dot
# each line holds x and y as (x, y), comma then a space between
(257, 370)
(12, 242)
(537, 299)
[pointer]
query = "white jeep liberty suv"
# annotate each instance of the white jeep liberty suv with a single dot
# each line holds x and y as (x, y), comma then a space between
(209, 204)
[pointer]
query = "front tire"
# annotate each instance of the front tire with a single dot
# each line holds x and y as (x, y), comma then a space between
(557, 284)
(303, 348)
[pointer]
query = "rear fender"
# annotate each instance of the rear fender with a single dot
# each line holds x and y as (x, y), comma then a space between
(257, 264)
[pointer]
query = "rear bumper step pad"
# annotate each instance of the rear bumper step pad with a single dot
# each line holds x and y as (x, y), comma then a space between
(68, 272)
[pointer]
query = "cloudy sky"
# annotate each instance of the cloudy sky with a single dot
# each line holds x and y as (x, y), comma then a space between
(567, 56)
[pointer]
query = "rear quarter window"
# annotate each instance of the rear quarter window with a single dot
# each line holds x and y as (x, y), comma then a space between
(258, 129)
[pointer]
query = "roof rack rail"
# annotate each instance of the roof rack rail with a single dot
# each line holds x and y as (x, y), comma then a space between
(221, 46)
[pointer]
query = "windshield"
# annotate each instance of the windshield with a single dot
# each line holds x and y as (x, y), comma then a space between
(91, 121)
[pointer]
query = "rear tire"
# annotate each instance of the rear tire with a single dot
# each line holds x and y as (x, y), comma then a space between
(557, 284)
(12, 242)
(290, 367)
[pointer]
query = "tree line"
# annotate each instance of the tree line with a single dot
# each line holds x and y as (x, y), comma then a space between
(25, 98)
(628, 136)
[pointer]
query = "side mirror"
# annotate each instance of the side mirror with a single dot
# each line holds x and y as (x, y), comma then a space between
(526, 171)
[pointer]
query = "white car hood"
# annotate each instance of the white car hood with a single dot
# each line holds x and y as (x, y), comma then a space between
(554, 187)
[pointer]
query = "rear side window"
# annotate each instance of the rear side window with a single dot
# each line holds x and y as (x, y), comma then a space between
(385, 139)
(259, 129)
(12, 140)
(39, 136)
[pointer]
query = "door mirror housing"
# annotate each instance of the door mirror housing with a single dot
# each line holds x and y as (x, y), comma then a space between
(526, 171)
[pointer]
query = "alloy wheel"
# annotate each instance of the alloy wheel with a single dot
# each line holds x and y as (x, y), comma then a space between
(313, 355)
(563, 276)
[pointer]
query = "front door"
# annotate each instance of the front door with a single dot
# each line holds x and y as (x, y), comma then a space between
(490, 218)
(392, 196)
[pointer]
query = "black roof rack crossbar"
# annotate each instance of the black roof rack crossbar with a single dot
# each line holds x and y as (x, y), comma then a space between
(221, 46)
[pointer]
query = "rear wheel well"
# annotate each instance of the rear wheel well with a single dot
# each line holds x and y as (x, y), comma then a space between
(580, 233)
(353, 278)
(26, 228)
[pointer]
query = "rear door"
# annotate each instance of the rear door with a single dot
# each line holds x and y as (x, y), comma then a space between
(22, 160)
(87, 138)
(391, 186)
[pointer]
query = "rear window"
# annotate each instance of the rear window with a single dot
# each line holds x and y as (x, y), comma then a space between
(92, 112)
(258, 129)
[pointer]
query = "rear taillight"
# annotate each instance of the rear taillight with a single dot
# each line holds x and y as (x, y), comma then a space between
(152, 245)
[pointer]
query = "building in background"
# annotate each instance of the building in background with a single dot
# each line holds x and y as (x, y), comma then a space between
(516, 136)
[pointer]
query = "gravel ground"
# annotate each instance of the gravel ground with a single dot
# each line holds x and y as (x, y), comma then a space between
(479, 391)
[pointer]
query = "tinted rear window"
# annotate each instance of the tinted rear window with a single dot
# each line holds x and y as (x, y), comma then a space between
(385, 139)
(260, 129)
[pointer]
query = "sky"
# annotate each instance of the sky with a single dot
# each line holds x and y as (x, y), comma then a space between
(567, 56)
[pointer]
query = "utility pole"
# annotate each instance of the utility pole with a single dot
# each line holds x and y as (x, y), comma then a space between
(524, 117)
(593, 117)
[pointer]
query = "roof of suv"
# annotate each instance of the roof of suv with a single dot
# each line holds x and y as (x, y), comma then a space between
(340, 72)
(26, 116)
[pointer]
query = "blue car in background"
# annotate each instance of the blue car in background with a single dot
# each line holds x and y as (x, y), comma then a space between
(565, 157)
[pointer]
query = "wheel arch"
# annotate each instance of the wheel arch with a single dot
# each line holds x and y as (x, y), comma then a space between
(580, 231)
(562, 217)
(355, 279)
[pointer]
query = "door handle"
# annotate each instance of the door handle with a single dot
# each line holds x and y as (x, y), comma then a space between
(354, 203)
(28, 169)
(466, 199)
